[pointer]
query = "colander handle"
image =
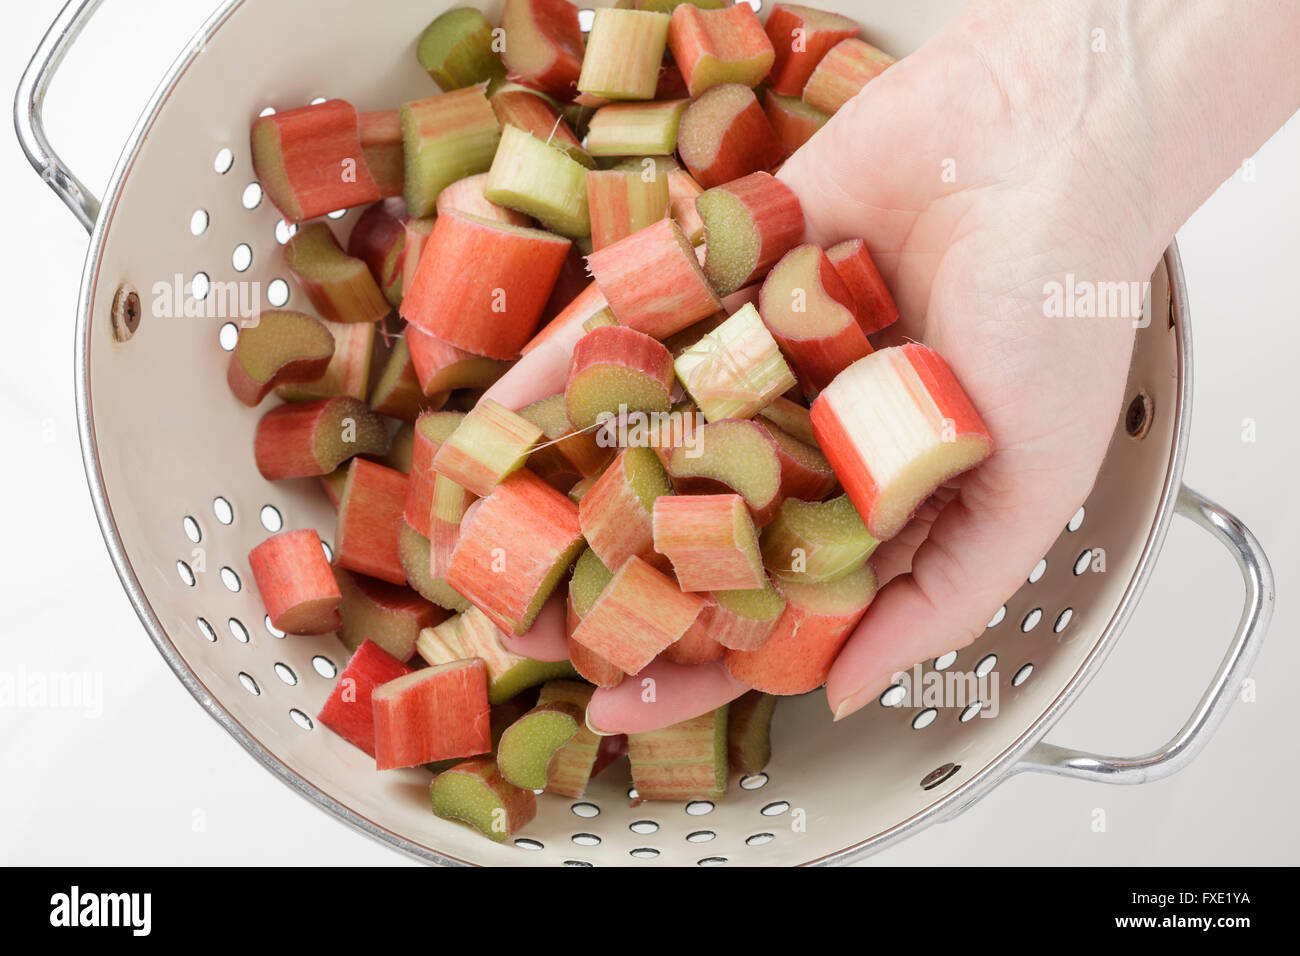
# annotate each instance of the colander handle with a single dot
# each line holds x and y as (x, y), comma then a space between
(29, 101)
(1213, 707)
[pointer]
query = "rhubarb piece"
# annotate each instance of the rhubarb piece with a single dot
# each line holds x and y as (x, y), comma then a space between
(792, 418)
(637, 615)
(339, 286)
(590, 577)
(696, 646)
(562, 332)
(533, 113)
(416, 234)
(794, 121)
(615, 514)
(531, 176)
(398, 393)
(816, 541)
(817, 620)
(682, 191)
(580, 488)
(749, 732)
(436, 713)
(348, 371)
(450, 504)
(529, 746)
(379, 240)
(636, 129)
(348, 710)
(615, 370)
(810, 311)
(710, 541)
(382, 151)
(735, 370)
(566, 455)
(472, 634)
(311, 160)
(713, 47)
(874, 305)
(843, 72)
(805, 472)
(295, 582)
(687, 761)
(446, 138)
(333, 485)
(370, 520)
(749, 224)
(577, 761)
(544, 46)
(490, 443)
(514, 546)
(725, 135)
(466, 195)
(313, 438)
(413, 550)
(390, 616)
(895, 426)
(668, 6)
(399, 449)
(481, 285)
(621, 202)
(282, 347)
(440, 367)
(801, 36)
(431, 430)
(456, 49)
(653, 281)
(624, 51)
(474, 793)
(732, 456)
(743, 620)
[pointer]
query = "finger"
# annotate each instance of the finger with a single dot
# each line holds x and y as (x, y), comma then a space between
(547, 639)
(894, 557)
(661, 695)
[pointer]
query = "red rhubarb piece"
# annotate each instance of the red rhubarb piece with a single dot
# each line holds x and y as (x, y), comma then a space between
(842, 73)
(437, 713)
(370, 521)
(348, 710)
(282, 347)
(338, 285)
(296, 583)
(710, 540)
(725, 135)
(875, 305)
(749, 224)
(712, 47)
(313, 438)
(383, 613)
(431, 430)
(379, 240)
(801, 36)
(545, 46)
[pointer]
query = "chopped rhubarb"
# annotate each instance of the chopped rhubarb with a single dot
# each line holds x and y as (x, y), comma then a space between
(710, 540)
(489, 443)
(348, 710)
(801, 36)
(544, 47)
(431, 430)
(466, 195)
(456, 49)
(441, 367)
(313, 438)
(682, 191)
(875, 305)
(514, 547)
(383, 152)
(749, 732)
(624, 52)
(282, 347)
(577, 761)
(397, 393)
(743, 620)
(749, 224)
(615, 514)
(686, 761)
(696, 646)
(653, 282)
(413, 550)
(530, 175)
(735, 370)
(348, 372)
(566, 455)
(895, 426)
(725, 135)
(616, 370)
(446, 138)
(370, 520)
(842, 73)
(529, 746)
(636, 129)
(385, 614)
(792, 418)
(816, 541)
(794, 121)
(435, 713)
(533, 113)
(638, 614)
(712, 47)
(731, 456)
(623, 201)
(590, 577)
(450, 504)
(379, 240)
(473, 792)
(805, 472)
(295, 581)
(339, 286)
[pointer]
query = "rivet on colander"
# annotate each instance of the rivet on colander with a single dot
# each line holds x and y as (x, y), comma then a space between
(1137, 420)
(271, 519)
(644, 853)
(759, 839)
(712, 861)
(301, 719)
(938, 775)
(271, 628)
(206, 630)
(526, 844)
(223, 510)
(1062, 620)
(186, 575)
(222, 162)
(1022, 675)
(775, 809)
(587, 810)
(237, 630)
(643, 827)
(701, 836)
(126, 313)
(192, 529)
(698, 808)
(753, 781)
(585, 839)
(324, 666)
(230, 579)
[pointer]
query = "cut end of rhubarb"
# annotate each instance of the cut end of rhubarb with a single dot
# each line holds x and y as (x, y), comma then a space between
(735, 370)
(529, 745)
(816, 541)
(617, 370)
(730, 455)
(456, 49)
(748, 224)
(475, 793)
(282, 347)
(725, 135)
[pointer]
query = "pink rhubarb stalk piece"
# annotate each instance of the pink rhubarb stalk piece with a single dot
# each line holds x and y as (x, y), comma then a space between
(625, 50)
(638, 614)
(533, 113)
(282, 347)
(370, 521)
(816, 622)
(340, 287)
(348, 710)
(733, 456)
(736, 369)
(348, 372)
(682, 190)
(743, 620)
(794, 121)
(801, 36)
(725, 135)
(379, 240)
(615, 514)
(397, 394)
(481, 285)
(712, 47)
(296, 584)
(811, 312)
(696, 646)
(450, 504)
(436, 713)
(305, 439)
(431, 430)
(895, 426)
(589, 580)
(441, 367)
(445, 138)
(653, 282)
(875, 304)
(574, 764)
(489, 443)
(686, 761)
(544, 49)
(514, 547)
(616, 370)
(710, 540)
(792, 418)
(749, 224)
(383, 152)
(843, 72)
(383, 613)
(466, 196)
(806, 475)
(623, 201)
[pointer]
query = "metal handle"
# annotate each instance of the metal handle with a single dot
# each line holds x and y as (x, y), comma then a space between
(1214, 706)
(29, 100)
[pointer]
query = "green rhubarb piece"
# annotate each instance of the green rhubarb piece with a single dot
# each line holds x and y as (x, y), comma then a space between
(529, 746)
(475, 793)
(735, 370)
(444, 139)
(456, 49)
(687, 761)
(413, 552)
(569, 771)
(590, 577)
(636, 129)
(625, 50)
(749, 726)
(533, 177)
(816, 541)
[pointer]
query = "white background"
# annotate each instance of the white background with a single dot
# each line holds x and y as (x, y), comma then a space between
(125, 788)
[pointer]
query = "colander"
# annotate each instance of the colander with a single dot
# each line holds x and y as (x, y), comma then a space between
(180, 502)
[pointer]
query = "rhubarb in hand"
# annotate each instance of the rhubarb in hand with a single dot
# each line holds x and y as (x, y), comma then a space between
(725, 135)
(794, 121)
(687, 761)
(543, 46)
(473, 792)
(801, 36)
(313, 438)
(875, 304)
(532, 176)
(749, 732)
(456, 49)
(348, 710)
(805, 472)
(389, 616)
(733, 457)
(446, 138)
(296, 584)
(736, 370)
(488, 444)
(624, 51)
(370, 520)
(696, 646)
(615, 370)
(636, 129)
(436, 713)
(792, 418)
(895, 426)
(282, 347)
(816, 541)
(842, 73)
(710, 540)
(590, 577)
(339, 286)
(712, 47)
(615, 514)
(749, 224)
(743, 620)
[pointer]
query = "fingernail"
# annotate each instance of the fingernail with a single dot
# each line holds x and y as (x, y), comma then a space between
(852, 704)
(593, 728)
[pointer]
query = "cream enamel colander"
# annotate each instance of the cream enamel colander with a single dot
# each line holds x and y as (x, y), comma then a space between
(181, 503)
